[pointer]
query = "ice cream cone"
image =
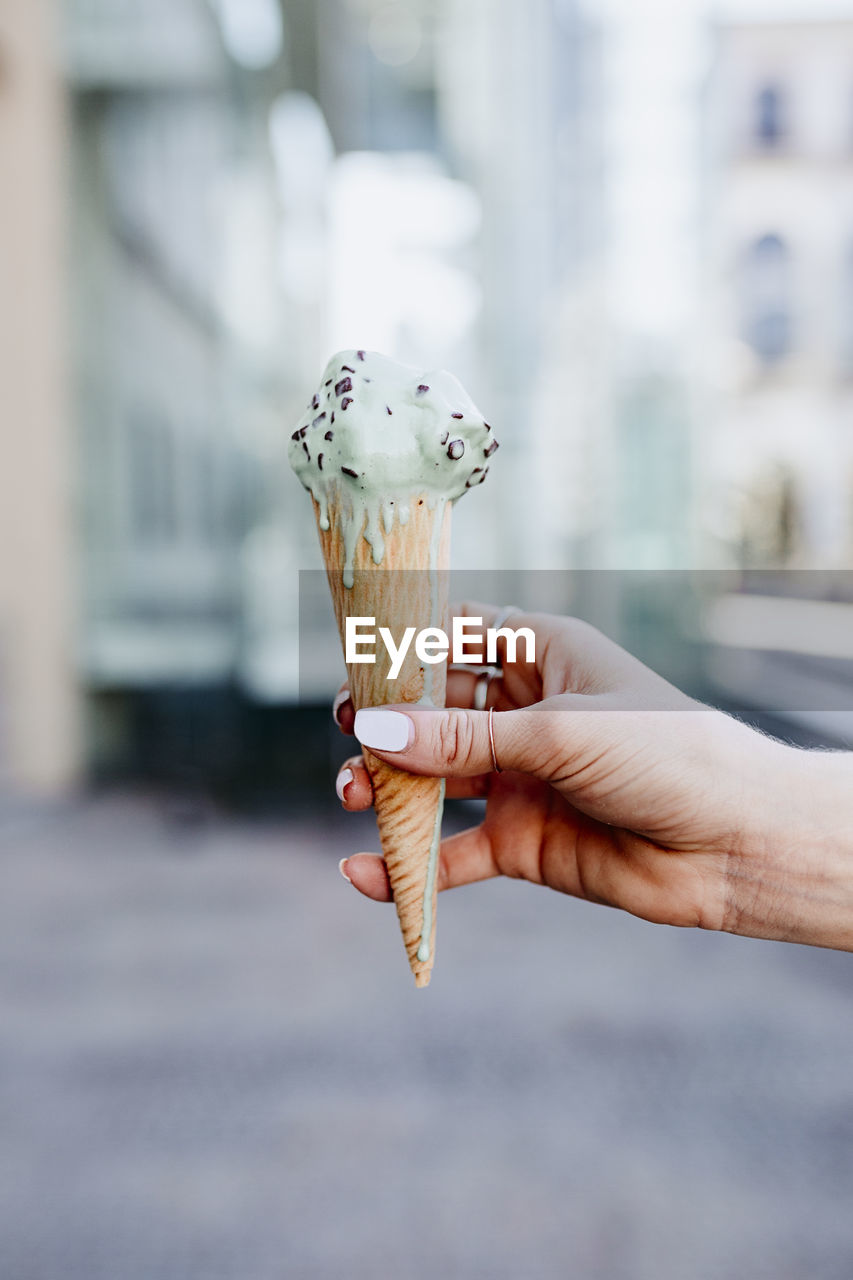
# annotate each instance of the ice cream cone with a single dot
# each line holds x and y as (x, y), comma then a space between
(385, 449)
(408, 589)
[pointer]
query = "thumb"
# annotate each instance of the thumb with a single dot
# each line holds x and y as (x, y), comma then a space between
(455, 741)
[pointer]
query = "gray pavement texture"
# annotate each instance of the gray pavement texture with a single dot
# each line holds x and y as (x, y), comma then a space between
(215, 1066)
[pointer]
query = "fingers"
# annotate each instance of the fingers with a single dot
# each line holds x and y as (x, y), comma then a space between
(456, 741)
(355, 790)
(343, 711)
(367, 873)
(463, 859)
(461, 684)
(353, 785)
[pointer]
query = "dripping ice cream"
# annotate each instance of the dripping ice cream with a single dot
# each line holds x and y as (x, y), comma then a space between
(376, 433)
(384, 450)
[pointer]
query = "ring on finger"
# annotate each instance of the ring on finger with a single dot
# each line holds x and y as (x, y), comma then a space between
(481, 687)
(503, 615)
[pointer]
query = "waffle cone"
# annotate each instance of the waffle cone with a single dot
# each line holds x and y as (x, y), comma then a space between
(399, 593)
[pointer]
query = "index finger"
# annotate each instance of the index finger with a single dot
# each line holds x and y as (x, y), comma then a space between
(463, 859)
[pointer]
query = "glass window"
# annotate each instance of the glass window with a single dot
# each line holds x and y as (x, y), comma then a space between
(770, 116)
(766, 300)
(152, 479)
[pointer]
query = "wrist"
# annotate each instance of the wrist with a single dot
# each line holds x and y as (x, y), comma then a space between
(791, 876)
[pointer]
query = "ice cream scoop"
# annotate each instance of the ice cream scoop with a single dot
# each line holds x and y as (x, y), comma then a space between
(378, 432)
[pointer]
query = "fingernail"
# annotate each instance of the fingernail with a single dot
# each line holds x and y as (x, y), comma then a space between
(343, 862)
(383, 730)
(339, 701)
(342, 781)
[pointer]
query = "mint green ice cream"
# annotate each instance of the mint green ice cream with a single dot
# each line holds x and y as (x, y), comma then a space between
(378, 433)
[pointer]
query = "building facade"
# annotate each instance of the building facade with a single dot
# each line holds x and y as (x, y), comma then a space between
(777, 455)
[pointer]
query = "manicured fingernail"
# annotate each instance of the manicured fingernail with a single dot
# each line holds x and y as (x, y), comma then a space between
(343, 862)
(342, 781)
(383, 730)
(339, 701)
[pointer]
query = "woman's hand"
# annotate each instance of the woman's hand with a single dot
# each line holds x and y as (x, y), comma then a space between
(617, 788)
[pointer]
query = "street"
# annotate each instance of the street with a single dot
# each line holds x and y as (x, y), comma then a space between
(214, 1065)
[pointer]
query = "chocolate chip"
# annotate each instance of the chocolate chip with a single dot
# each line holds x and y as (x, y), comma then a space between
(348, 471)
(329, 383)
(490, 450)
(368, 379)
(295, 435)
(344, 385)
(455, 449)
(307, 451)
(486, 425)
(347, 400)
(345, 368)
(302, 431)
(422, 388)
(444, 439)
(388, 410)
(456, 415)
(315, 403)
(330, 435)
(360, 355)
(320, 457)
(332, 419)
(319, 418)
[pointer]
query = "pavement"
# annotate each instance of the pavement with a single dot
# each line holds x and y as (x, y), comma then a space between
(214, 1065)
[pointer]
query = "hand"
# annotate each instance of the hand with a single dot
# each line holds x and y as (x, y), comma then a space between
(620, 789)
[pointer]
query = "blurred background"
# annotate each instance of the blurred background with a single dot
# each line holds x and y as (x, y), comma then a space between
(628, 228)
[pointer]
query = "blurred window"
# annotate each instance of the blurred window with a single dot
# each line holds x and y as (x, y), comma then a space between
(770, 116)
(208, 505)
(152, 479)
(766, 292)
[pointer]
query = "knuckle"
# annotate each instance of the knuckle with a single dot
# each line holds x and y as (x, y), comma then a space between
(456, 737)
(580, 632)
(547, 745)
(513, 864)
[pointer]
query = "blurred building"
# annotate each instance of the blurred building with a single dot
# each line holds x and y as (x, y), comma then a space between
(151, 139)
(187, 351)
(520, 99)
(252, 185)
(778, 459)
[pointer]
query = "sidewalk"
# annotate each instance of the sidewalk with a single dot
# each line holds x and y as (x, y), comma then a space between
(214, 1064)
